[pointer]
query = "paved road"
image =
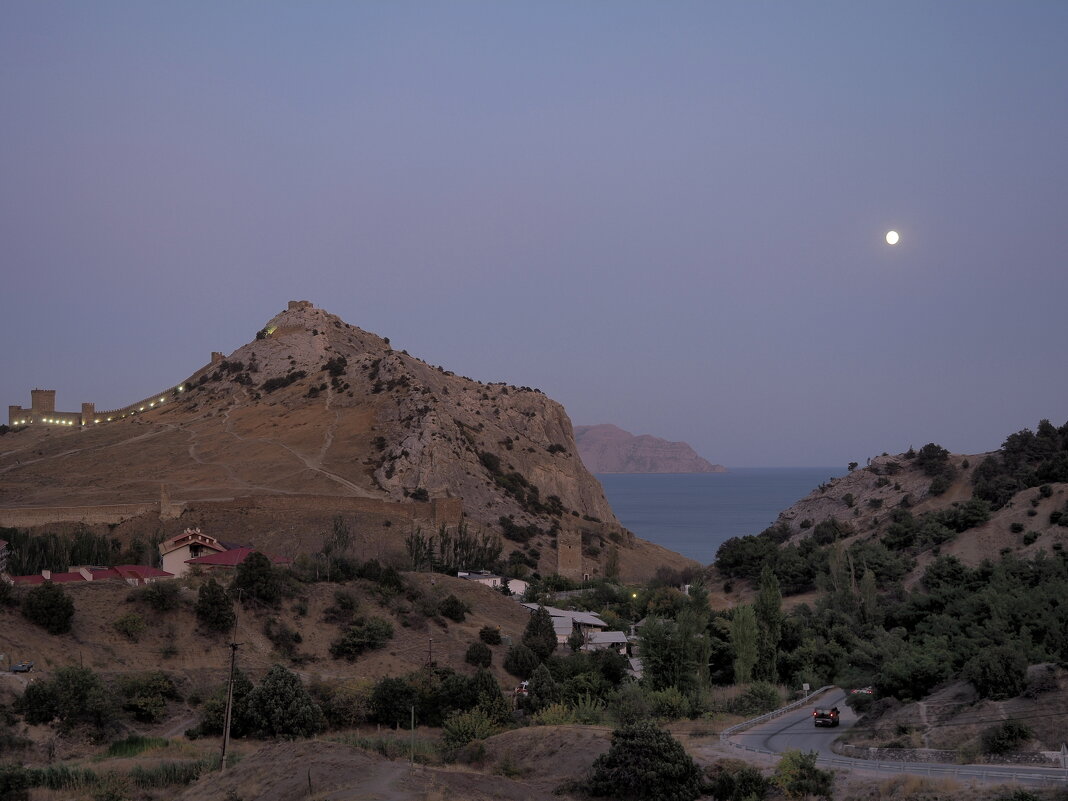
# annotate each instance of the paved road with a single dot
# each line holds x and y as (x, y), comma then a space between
(795, 730)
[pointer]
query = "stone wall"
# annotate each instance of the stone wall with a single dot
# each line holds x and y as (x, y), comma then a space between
(431, 515)
(29, 516)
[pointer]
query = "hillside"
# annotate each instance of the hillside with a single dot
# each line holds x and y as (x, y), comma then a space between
(607, 448)
(314, 418)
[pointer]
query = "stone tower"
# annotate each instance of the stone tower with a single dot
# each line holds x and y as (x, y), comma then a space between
(569, 555)
(43, 400)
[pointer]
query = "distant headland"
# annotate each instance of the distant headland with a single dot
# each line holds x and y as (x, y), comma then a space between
(607, 448)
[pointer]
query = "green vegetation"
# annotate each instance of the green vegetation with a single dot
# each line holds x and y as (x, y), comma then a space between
(797, 776)
(645, 763)
(214, 610)
(361, 636)
(271, 384)
(49, 607)
(1026, 459)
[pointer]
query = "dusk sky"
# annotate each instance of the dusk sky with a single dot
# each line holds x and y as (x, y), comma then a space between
(669, 216)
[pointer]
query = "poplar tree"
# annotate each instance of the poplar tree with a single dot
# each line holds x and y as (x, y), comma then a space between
(768, 610)
(744, 641)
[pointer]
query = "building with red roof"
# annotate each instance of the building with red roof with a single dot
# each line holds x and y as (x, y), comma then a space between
(134, 575)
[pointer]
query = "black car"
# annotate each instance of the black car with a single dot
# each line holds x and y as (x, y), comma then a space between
(822, 716)
(22, 667)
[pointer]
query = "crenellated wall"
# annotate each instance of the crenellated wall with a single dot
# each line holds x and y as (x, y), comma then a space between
(432, 515)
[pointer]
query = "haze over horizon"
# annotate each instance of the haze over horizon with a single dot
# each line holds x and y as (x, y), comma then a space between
(666, 217)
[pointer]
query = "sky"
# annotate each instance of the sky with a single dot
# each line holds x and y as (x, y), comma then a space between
(669, 216)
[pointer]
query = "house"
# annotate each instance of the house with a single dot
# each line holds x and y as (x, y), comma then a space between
(230, 559)
(192, 543)
(606, 640)
(565, 621)
(515, 586)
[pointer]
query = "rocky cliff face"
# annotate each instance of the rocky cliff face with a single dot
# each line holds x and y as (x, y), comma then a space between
(609, 449)
(314, 406)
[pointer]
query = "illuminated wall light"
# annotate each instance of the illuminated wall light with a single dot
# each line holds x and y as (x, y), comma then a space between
(150, 405)
(161, 400)
(141, 409)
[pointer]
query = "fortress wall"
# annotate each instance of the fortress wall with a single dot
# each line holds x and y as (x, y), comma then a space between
(432, 515)
(29, 516)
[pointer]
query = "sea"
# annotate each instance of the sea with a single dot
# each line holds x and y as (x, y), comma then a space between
(694, 513)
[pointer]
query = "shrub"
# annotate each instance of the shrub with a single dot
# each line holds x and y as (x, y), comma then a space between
(163, 596)
(49, 607)
(520, 661)
(670, 704)
(364, 634)
(490, 635)
(758, 698)
(734, 780)
(645, 763)
(479, 655)
(1007, 737)
(1016, 528)
(146, 695)
(558, 714)
(131, 626)
(797, 776)
(463, 727)
(454, 609)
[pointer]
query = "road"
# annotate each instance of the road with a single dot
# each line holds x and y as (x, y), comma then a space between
(794, 729)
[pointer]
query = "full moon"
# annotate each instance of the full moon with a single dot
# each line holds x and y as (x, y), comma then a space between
(892, 237)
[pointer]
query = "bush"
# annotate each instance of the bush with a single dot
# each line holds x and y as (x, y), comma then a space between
(163, 596)
(734, 780)
(131, 626)
(454, 609)
(1007, 737)
(49, 607)
(490, 635)
(645, 763)
(758, 698)
(463, 727)
(670, 704)
(479, 655)
(364, 634)
(146, 695)
(520, 661)
(797, 776)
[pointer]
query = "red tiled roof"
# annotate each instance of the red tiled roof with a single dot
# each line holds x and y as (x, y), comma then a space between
(67, 578)
(233, 558)
(141, 572)
(36, 578)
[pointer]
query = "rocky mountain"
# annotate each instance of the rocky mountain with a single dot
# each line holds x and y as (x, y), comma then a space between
(607, 448)
(314, 408)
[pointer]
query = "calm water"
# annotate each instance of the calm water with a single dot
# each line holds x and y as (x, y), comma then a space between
(692, 513)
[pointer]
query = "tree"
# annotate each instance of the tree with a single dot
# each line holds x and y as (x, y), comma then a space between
(49, 607)
(540, 636)
(520, 661)
(768, 611)
(744, 639)
(280, 707)
(258, 579)
(364, 634)
(542, 692)
(478, 653)
(72, 696)
(645, 763)
(997, 673)
(391, 701)
(797, 776)
(214, 609)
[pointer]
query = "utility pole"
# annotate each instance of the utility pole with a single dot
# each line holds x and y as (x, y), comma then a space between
(230, 690)
(229, 706)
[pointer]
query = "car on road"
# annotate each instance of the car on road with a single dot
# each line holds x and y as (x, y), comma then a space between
(22, 667)
(822, 716)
